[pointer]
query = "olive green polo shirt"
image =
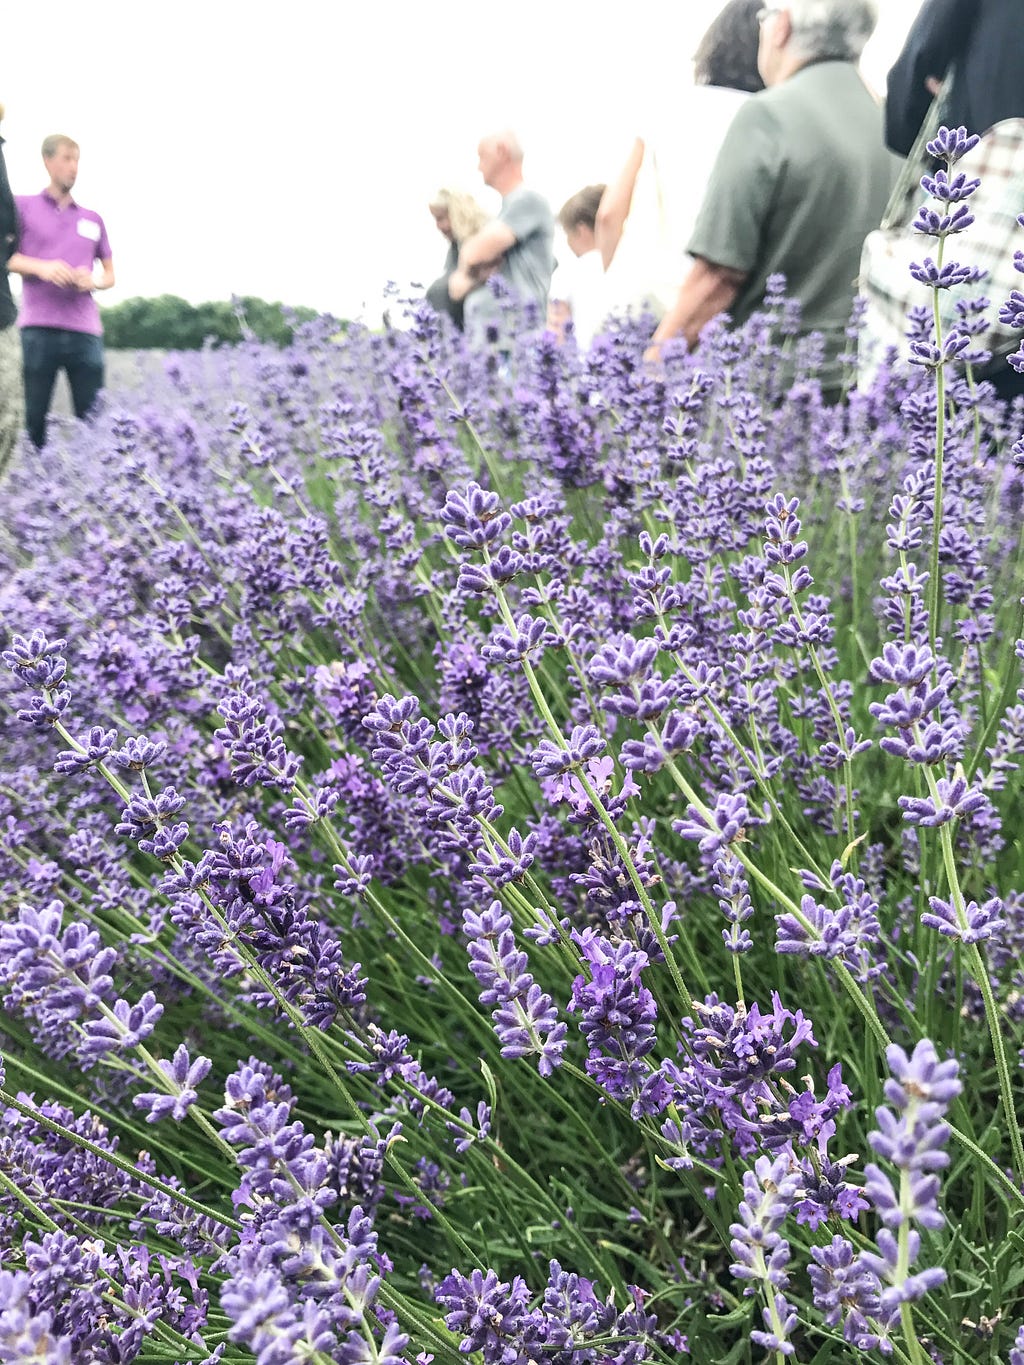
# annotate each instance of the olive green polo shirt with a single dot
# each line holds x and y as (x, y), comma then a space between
(802, 177)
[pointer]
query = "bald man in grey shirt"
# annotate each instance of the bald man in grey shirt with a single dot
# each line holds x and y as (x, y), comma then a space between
(518, 244)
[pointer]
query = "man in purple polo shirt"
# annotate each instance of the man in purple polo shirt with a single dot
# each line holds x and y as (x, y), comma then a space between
(60, 321)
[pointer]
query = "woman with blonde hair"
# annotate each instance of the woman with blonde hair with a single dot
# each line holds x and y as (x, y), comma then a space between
(456, 216)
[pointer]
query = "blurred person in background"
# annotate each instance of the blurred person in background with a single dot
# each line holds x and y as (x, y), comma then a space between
(577, 286)
(983, 41)
(456, 216)
(979, 45)
(60, 320)
(649, 209)
(517, 244)
(12, 411)
(802, 177)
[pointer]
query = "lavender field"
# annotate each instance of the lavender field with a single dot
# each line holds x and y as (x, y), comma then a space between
(515, 858)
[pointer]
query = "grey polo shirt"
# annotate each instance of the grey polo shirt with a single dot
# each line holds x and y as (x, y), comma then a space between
(528, 263)
(802, 177)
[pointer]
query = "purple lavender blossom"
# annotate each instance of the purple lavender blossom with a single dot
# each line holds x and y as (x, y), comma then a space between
(475, 518)
(950, 144)
(974, 925)
(911, 1136)
(762, 1255)
(617, 1018)
(525, 1017)
(733, 892)
(550, 759)
(183, 1075)
(848, 932)
(726, 823)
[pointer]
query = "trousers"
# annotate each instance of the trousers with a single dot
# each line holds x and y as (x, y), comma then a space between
(45, 352)
(12, 406)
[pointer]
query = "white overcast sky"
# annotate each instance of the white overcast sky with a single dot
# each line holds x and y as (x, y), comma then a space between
(288, 150)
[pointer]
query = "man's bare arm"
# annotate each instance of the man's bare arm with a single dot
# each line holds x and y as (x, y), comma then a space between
(35, 268)
(485, 248)
(88, 284)
(708, 290)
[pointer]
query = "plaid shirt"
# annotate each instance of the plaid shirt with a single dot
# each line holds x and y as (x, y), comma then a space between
(988, 244)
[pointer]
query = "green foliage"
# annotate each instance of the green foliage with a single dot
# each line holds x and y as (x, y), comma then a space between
(170, 323)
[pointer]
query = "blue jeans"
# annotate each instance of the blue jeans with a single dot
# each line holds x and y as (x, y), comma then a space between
(47, 350)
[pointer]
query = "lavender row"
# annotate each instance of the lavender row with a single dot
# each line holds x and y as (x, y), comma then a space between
(515, 856)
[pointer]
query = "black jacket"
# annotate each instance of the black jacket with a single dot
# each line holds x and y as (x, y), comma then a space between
(984, 39)
(8, 242)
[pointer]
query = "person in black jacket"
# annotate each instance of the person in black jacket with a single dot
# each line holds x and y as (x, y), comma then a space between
(980, 44)
(984, 42)
(12, 402)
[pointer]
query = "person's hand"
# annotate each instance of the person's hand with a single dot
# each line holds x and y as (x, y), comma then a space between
(58, 272)
(933, 84)
(459, 283)
(84, 281)
(652, 356)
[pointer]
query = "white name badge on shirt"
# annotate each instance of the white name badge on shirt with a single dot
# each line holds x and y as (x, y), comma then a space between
(88, 229)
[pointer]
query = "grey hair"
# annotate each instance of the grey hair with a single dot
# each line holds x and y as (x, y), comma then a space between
(838, 29)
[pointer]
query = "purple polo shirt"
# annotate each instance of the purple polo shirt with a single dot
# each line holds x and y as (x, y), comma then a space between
(71, 234)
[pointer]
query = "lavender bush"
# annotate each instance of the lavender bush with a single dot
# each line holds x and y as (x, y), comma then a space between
(518, 856)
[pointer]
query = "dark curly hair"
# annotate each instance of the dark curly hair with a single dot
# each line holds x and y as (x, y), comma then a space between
(727, 54)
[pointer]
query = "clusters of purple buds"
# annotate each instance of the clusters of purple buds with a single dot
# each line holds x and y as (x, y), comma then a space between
(61, 1175)
(951, 192)
(525, 1018)
(733, 892)
(312, 1294)
(762, 1254)
(954, 799)
(149, 819)
(726, 823)
(182, 1076)
(494, 1317)
(236, 904)
(59, 978)
(76, 1301)
(39, 662)
(446, 787)
(847, 931)
(1012, 314)
(253, 740)
(868, 1290)
(734, 1078)
(624, 668)
(926, 731)
(617, 1019)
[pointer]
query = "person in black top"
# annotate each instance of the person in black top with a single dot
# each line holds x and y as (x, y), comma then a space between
(983, 40)
(12, 402)
(980, 45)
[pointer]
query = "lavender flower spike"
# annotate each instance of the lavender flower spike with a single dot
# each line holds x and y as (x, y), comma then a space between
(913, 1139)
(525, 1018)
(183, 1076)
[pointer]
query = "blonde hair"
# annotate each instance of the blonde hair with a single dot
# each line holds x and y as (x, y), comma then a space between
(464, 214)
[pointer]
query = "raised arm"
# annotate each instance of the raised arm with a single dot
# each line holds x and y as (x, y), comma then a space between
(615, 204)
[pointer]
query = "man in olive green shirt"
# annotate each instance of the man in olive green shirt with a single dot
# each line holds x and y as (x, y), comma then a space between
(802, 178)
